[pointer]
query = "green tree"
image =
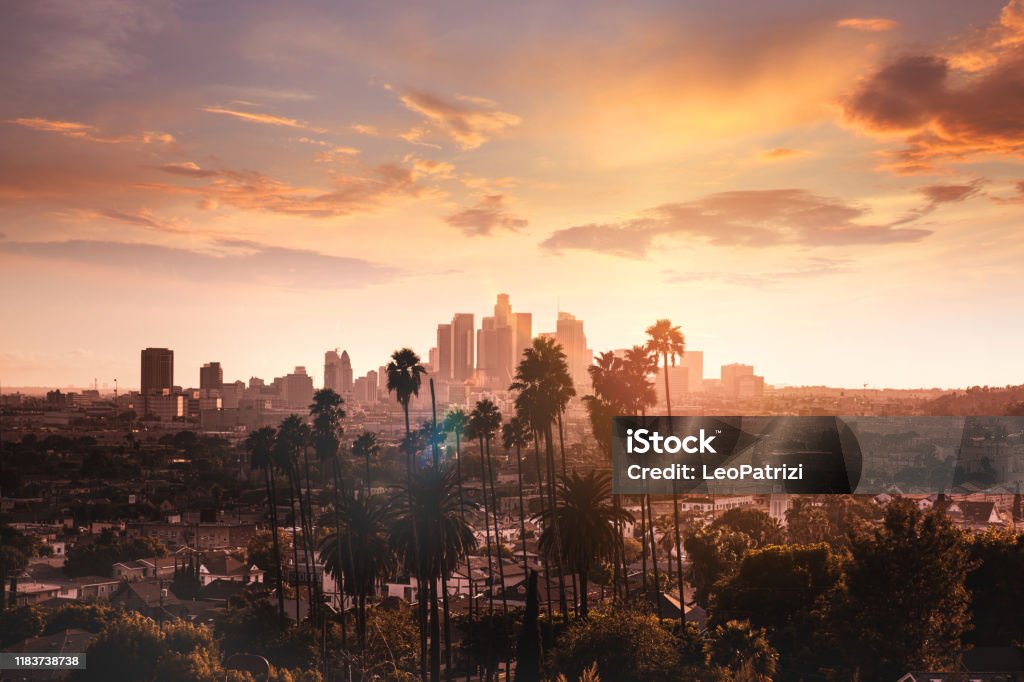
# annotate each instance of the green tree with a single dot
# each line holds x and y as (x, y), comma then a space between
(715, 554)
(260, 445)
(787, 591)
(366, 446)
(744, 650)
(997, 605)
(905, 606)
(627, 645)
(761, 528)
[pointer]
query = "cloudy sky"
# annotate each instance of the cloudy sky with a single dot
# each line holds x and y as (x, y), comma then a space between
(833, 192)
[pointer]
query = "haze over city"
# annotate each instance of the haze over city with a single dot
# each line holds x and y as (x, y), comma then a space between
(255, 183)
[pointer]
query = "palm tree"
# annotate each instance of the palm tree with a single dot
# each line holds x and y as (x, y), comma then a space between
(638, 365)
(260, 445)
(667, 340)
(430, 538)
(485, 420)
(456, 422)
(543, 388)
(516, 434)
(292, 436)
(366, 446)
(405, 376)
(363, 522)
(588, 519)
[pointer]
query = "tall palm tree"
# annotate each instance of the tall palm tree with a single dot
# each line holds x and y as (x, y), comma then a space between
(456, 422)
(405, 376)
(485, 420)
(588, 519)
(667, 341)
(543, 386)
(260, 444)
(292, 436)
(430, 538)
(364, 522)
(516, 435)
(639, 365)
(328, 412)
(366, 446)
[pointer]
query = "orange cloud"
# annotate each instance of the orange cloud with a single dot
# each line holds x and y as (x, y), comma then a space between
(872, 25)
(470, 121)
(948, 107)
(267, 119)
(488, 214)
(751, 218)
(84, 131)
(782, 154)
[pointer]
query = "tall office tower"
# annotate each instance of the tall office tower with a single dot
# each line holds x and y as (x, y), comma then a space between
(443, 368)
(157, 370)
(296, 388)
(494, 353)
(332, 371)
(569, 334)
(346, 373)
(693, 361)
(679, 383)
(731, 375)
(522, 335)
(462, 346)
(502, 312)
(211, 375)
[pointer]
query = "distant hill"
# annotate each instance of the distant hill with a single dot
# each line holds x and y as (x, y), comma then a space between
(979, 401)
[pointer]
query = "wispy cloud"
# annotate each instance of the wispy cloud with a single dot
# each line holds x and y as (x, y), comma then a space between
(489, 213)
(470, 121)
(815, 267)
(84, 131)
(266, 119)
(870, 24)
(225, 262)
(782, 154)
(752, 218)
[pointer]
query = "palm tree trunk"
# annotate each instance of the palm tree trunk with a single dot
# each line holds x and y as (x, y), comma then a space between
(340, 579)
(654, 556)
(307, 537)
(447, 627)
(565, 474)
(675, 507)
(421, 610)
(497, 533)
(540, 496)
(272, 497)
(295, 542)
(643, 545)
(522, 508)
(549, 448)
(435, 633)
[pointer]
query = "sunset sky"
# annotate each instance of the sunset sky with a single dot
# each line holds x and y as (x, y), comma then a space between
(833, 192)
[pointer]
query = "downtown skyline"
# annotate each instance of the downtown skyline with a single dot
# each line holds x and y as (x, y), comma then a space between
(257, 186)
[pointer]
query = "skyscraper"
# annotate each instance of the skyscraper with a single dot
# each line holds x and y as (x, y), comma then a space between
(211, 376)
(332, 371)
(569, 334)
(462, 346)
(157, 370)
(693, 361)
(346, 373)
(444, 352)
(522, 328)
